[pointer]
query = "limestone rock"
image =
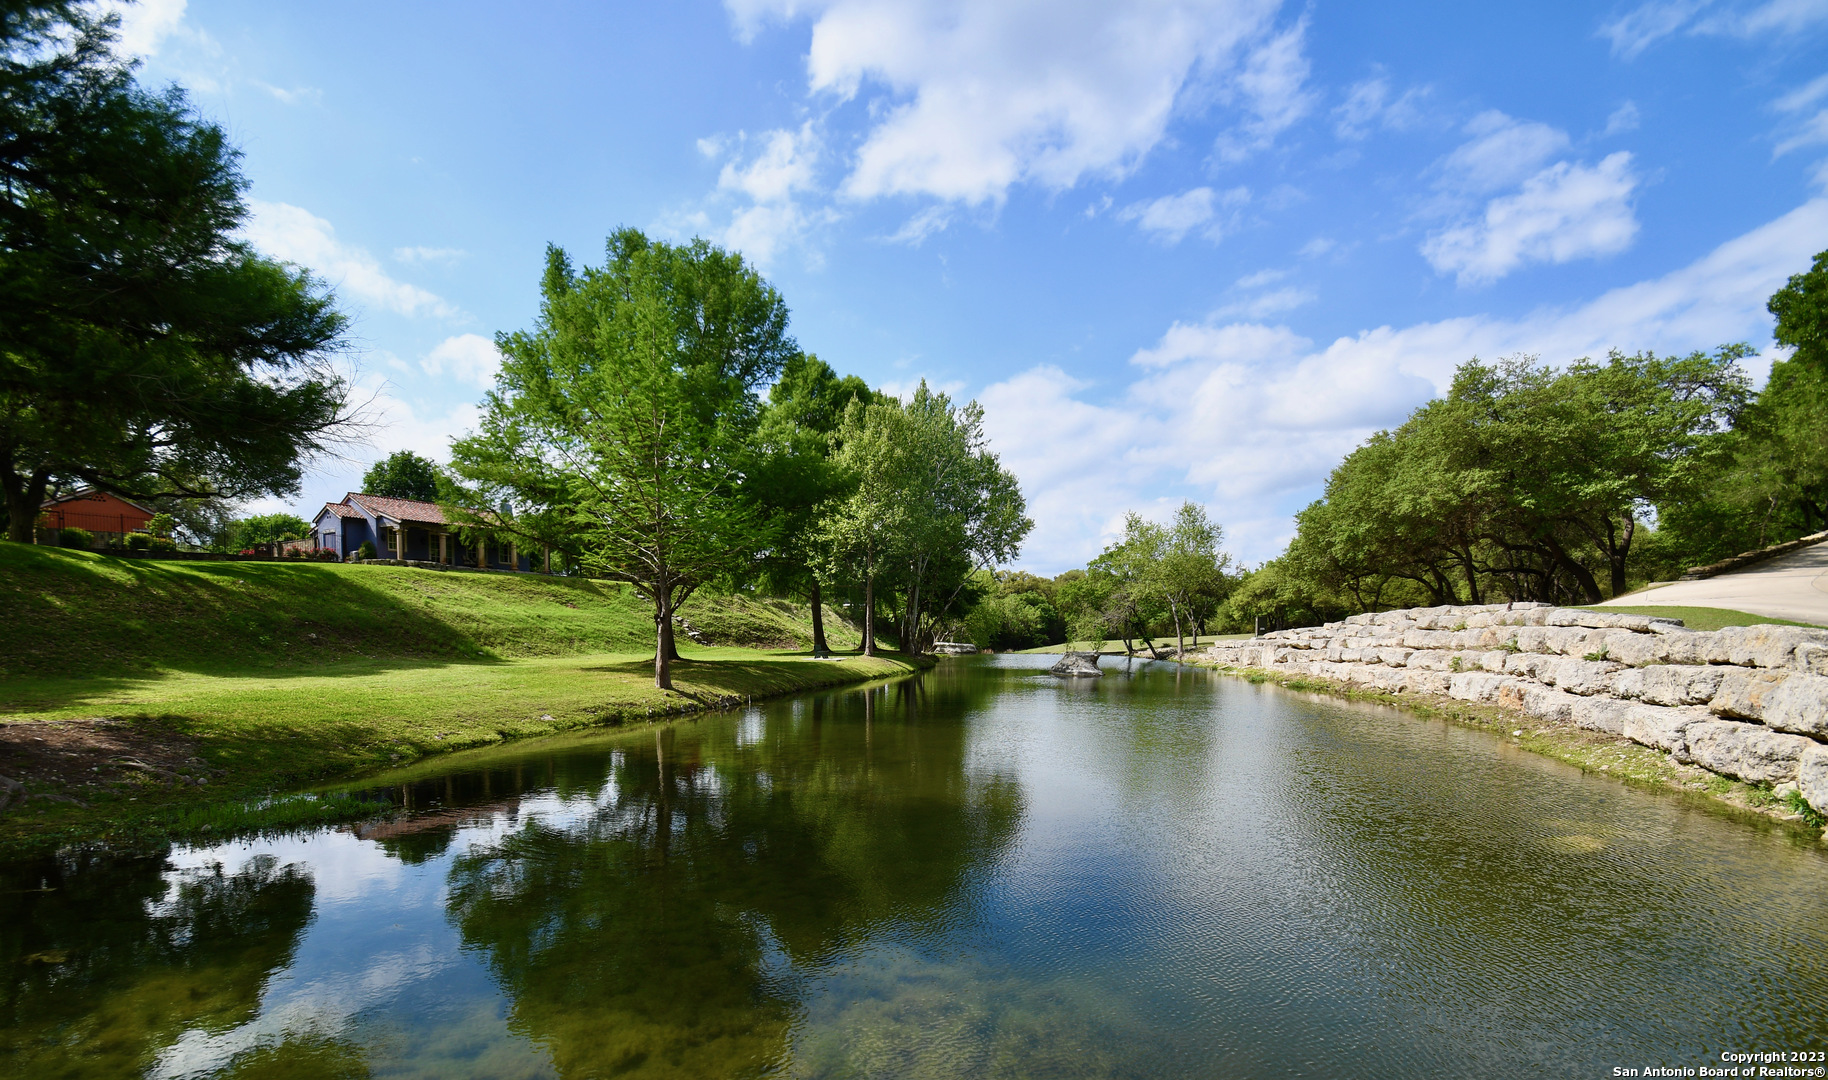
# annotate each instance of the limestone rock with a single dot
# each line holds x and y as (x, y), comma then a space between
(1799, 704)
(1661, 726)
(1600, 714)
(1074, 665)
(1761, 646)
(1747, 751)
(1637, 650)
(1669, 684)
(1812, 776)
(1477, 685)
(1584, 677)
(1746, 694)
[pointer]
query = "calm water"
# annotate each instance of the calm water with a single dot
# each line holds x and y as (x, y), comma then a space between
(976, 872)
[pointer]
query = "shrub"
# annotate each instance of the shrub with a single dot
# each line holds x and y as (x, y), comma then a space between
(366, 551)
(163, 543)
(325, 555)
(75, 538)
(138, 541)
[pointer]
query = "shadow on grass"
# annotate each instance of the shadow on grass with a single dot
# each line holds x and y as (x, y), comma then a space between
(83, 615)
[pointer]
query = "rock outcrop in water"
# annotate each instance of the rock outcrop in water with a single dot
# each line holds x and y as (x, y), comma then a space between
(1750, 702)
(1077, 665)
(954, 648)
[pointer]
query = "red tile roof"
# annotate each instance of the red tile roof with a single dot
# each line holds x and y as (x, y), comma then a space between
(399, 509)
(342, 510)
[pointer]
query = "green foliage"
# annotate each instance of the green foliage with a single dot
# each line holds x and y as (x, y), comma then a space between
(1525, 482)
(929, 506)
(147, 350)
(620, 424)
(402, 475)
(366, 550)
(1016, 610)
(267, 529)
(75, 538)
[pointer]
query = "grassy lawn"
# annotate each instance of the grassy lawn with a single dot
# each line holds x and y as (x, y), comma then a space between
(262, 732)
(1702, 618)
(137, 696)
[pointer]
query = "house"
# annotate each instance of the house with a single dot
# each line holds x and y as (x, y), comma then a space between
(405, 529)
(109, 517)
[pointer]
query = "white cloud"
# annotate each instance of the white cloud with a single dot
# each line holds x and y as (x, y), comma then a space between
(1272, 85)
(1649, 23)
(1250, 418)
(1564, 212)
(759, 190)
(1264, 305)
(1810, 130)
(1172, 216)
(1502, 151)
(470, 358)
(1623, 119)
(968, 99)
(295, 235)
(784, 165)
(292, 96)
(146, 25)
(922, 225)
(429, 254)
(1369, 105)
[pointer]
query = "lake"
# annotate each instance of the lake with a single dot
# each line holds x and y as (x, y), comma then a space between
(978, 871)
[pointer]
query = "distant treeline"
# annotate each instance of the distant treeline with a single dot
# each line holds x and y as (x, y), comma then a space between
(1525, 482)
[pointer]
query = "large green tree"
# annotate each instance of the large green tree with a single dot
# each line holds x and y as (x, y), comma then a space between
(794, 474)
(402, 475)
(146, 350)
(929, 505)
(621, 423)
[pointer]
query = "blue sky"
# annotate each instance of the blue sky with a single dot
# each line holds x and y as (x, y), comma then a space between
(1177, 249)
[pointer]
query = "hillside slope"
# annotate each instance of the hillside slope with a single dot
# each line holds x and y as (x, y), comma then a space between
(75, 613)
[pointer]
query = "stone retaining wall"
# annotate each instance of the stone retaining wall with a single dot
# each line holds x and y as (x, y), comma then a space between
(1749, 702)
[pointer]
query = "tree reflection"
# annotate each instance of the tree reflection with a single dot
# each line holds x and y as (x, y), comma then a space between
(670, 932)
(111, 959)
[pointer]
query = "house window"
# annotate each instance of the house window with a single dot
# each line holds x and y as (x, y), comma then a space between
(330, 540)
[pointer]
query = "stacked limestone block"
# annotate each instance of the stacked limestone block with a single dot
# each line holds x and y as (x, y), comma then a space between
(1749, 702)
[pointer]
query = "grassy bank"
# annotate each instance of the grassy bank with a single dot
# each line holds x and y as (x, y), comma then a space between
(75, 613)
(1590, 751)
(1700, 618)
(141, 698)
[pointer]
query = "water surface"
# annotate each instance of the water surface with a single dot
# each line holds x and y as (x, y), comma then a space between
(978, 871)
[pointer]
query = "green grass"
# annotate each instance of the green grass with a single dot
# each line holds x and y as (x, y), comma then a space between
(280, 674)
(1141, 644)
(1701, 618)
(269, 732)
(78, 613)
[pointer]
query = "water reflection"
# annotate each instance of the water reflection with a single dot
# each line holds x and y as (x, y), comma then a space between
(114, 958)
(672, 927)
(981, 871)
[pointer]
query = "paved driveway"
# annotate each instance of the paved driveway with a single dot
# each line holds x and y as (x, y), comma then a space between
(1793, 586)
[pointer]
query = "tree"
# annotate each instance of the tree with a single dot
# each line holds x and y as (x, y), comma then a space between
(621, 420)
(931, 505)
(146, 351)
(794, 473)
(402, 475)
(267, 529)
(1187, 566)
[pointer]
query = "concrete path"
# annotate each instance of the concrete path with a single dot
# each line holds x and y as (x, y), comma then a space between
(1793, 586)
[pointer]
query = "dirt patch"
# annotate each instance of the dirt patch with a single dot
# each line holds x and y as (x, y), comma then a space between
(43, 762)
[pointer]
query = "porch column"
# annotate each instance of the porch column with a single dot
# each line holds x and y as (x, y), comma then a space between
(513, 555)
(548, 558)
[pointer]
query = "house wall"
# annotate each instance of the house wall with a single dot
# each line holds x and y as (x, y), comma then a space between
(97, 513)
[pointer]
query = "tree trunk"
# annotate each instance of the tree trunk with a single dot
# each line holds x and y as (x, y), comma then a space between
(869, 614)
(819, 647)
(663, 638)
(1618, 551)
(1180, 639)
(1583, 577)
(24, 497)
